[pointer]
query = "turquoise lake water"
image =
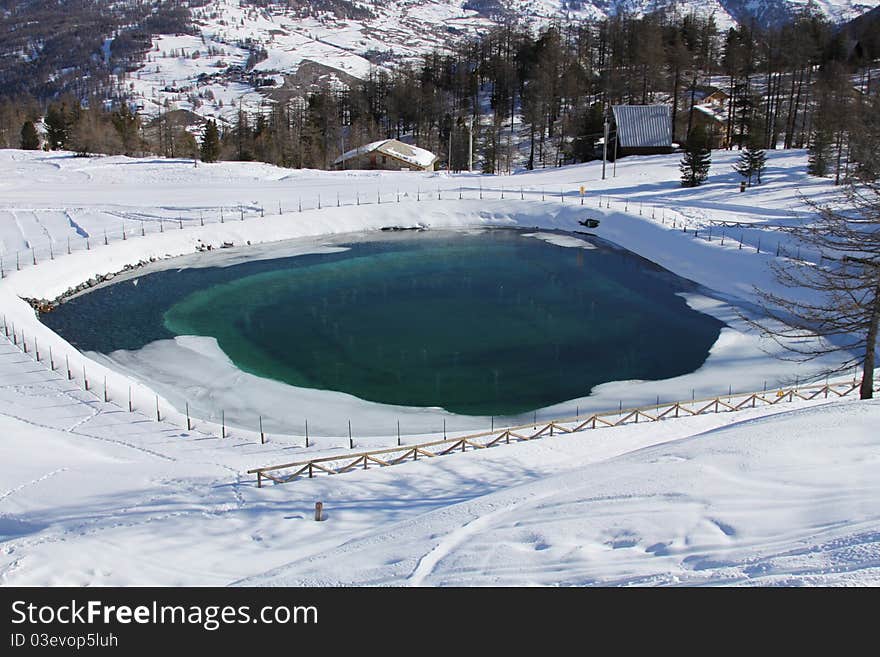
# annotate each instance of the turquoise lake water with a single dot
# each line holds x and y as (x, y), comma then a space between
(493, 323)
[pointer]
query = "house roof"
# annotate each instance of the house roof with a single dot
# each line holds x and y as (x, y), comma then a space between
(716, 112)
(643, 126)
(397, 149)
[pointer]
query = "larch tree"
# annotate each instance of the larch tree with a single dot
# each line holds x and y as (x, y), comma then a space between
(842, 300)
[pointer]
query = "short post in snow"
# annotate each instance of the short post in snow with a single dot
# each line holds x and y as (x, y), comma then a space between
(262, 435)
(319, 511)
(158, 414)
(350, 440)
(188, 421)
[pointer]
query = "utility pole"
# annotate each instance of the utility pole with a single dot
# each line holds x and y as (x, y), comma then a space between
(605, 147)
(471, 144)
(449, 154)
(614, 168)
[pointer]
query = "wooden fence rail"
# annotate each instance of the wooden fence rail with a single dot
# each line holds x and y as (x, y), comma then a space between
(337, 464)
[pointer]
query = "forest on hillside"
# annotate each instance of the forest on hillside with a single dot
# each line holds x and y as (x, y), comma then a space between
(529, 98)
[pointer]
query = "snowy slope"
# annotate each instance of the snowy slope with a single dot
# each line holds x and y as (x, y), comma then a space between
(648, 214)
(761, 502)
(92, 494)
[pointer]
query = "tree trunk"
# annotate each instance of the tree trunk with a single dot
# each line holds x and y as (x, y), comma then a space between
(867, 388)
(675, 86)
(691, 111)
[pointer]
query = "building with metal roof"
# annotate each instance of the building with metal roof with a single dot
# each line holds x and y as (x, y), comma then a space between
(643, 129)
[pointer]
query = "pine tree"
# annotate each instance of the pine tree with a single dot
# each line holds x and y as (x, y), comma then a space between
(211, 143)
(696, 161)
(752, 162)
(819, 153)
(60, 119)
(744, 166)
(30, 140)
(759, 162)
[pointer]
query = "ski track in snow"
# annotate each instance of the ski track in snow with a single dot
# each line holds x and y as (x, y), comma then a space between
(449, 542)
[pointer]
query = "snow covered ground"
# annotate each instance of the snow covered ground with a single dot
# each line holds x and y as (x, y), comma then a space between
(93, 494)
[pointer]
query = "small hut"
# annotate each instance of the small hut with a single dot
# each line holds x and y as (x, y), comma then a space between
(389, 155)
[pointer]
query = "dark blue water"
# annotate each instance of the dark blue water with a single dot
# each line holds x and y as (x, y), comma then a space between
(487, 324)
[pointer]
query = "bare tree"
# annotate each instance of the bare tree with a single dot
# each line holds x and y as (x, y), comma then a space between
(843, 300)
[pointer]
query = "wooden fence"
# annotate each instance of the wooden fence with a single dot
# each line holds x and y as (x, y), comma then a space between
(338, 464)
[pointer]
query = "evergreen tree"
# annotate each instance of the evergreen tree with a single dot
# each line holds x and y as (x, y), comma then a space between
(211, 143)
(752, 162)
(60, 119)
(696, 160)
(820, 153)
(30, 140)
(744, 165)
(759, 162)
